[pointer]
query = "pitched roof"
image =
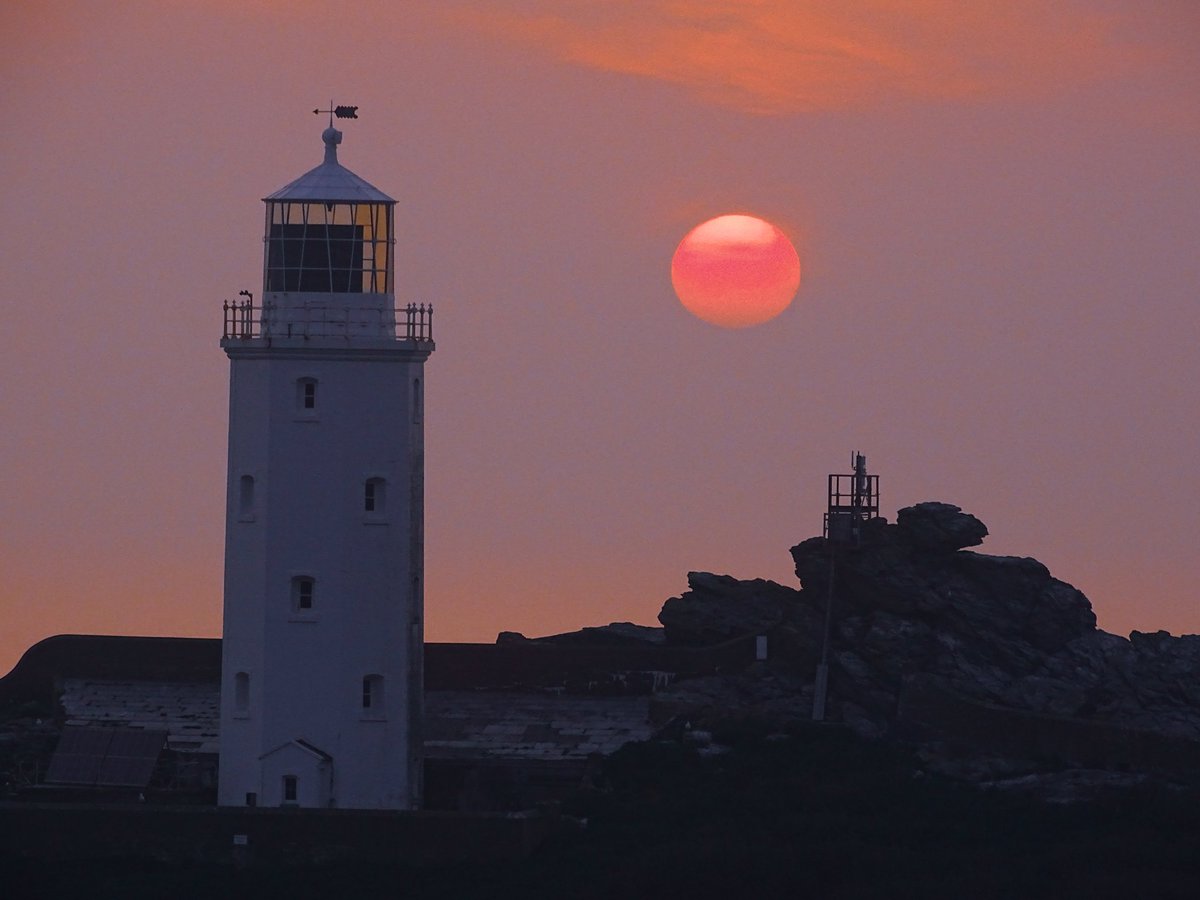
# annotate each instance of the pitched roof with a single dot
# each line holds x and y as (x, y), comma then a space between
(310, 749)
(329, 182)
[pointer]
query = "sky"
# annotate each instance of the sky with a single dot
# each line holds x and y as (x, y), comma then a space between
(996, 207)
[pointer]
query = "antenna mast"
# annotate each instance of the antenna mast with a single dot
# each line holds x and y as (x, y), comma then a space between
(853, 499)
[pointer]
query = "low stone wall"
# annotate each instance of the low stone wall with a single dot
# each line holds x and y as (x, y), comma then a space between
(238, 836)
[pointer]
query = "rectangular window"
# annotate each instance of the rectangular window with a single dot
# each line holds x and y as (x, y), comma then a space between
(310, 395)
(289, 788)
(366, 700)
(315, 257)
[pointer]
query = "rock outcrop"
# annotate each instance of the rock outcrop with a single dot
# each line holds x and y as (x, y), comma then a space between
(717, 608)
(940, 526)
(912, 608)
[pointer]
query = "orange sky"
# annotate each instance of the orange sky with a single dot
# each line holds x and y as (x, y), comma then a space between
(995, 204)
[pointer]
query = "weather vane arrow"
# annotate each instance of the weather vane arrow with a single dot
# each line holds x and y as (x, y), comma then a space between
(342, 112)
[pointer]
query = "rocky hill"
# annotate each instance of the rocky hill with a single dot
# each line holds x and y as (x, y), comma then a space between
(986, 655)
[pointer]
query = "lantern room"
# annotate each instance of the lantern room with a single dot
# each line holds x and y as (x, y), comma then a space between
(329, 232)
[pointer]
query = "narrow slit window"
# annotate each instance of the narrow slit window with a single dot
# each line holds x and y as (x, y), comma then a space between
(290, 788)
(246, 496)
(374, 495)
(306, 394)
(241, 692)
(303, 593)
(372, 694)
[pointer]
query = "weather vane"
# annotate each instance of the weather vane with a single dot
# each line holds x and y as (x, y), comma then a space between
(342, 112)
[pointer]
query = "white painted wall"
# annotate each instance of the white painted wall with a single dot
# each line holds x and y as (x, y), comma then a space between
(310, 468)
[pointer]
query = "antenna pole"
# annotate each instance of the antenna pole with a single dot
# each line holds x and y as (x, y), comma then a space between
(821, 685)
(853, 499)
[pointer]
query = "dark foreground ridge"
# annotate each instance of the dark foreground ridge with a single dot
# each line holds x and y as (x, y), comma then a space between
(812, 812)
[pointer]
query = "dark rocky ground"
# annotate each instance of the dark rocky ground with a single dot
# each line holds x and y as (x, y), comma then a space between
(817, 812)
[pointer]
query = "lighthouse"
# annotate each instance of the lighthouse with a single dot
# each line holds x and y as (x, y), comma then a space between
(321, 669)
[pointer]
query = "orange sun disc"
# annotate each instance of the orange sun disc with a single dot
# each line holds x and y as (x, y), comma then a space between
(735, 271)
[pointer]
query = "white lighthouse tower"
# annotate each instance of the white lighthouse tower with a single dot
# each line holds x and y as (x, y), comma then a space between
(321, 681)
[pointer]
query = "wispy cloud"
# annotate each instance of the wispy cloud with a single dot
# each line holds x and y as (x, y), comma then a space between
(787, 56)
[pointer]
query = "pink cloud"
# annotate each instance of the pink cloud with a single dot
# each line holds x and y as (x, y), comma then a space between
(787, 56)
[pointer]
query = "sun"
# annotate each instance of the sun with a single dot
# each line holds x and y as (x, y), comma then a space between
(735, 271)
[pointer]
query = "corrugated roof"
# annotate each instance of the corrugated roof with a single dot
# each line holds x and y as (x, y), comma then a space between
(330, 181)
(188, 712)
(105, 757)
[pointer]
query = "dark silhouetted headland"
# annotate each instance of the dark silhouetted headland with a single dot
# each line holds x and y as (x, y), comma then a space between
(981, 738)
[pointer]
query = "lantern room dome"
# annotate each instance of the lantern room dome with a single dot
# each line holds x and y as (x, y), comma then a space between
(330, 182)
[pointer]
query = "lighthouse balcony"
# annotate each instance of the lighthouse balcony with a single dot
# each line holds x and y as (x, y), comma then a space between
(300, 319)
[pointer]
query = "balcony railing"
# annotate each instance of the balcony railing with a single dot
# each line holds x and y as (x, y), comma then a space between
(244, 321)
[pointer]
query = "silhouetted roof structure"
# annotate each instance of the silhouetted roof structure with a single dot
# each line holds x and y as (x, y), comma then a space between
(105, 757)
(39, 674)
(524, 700)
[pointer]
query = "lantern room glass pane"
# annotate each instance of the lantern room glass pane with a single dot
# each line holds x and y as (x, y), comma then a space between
(340, 248)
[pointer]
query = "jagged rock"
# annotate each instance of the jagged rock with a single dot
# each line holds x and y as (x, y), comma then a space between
(795, 644)
(940, 526)
(717, 608)
(1149, 682)
(1008, 611)
(998, 633)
